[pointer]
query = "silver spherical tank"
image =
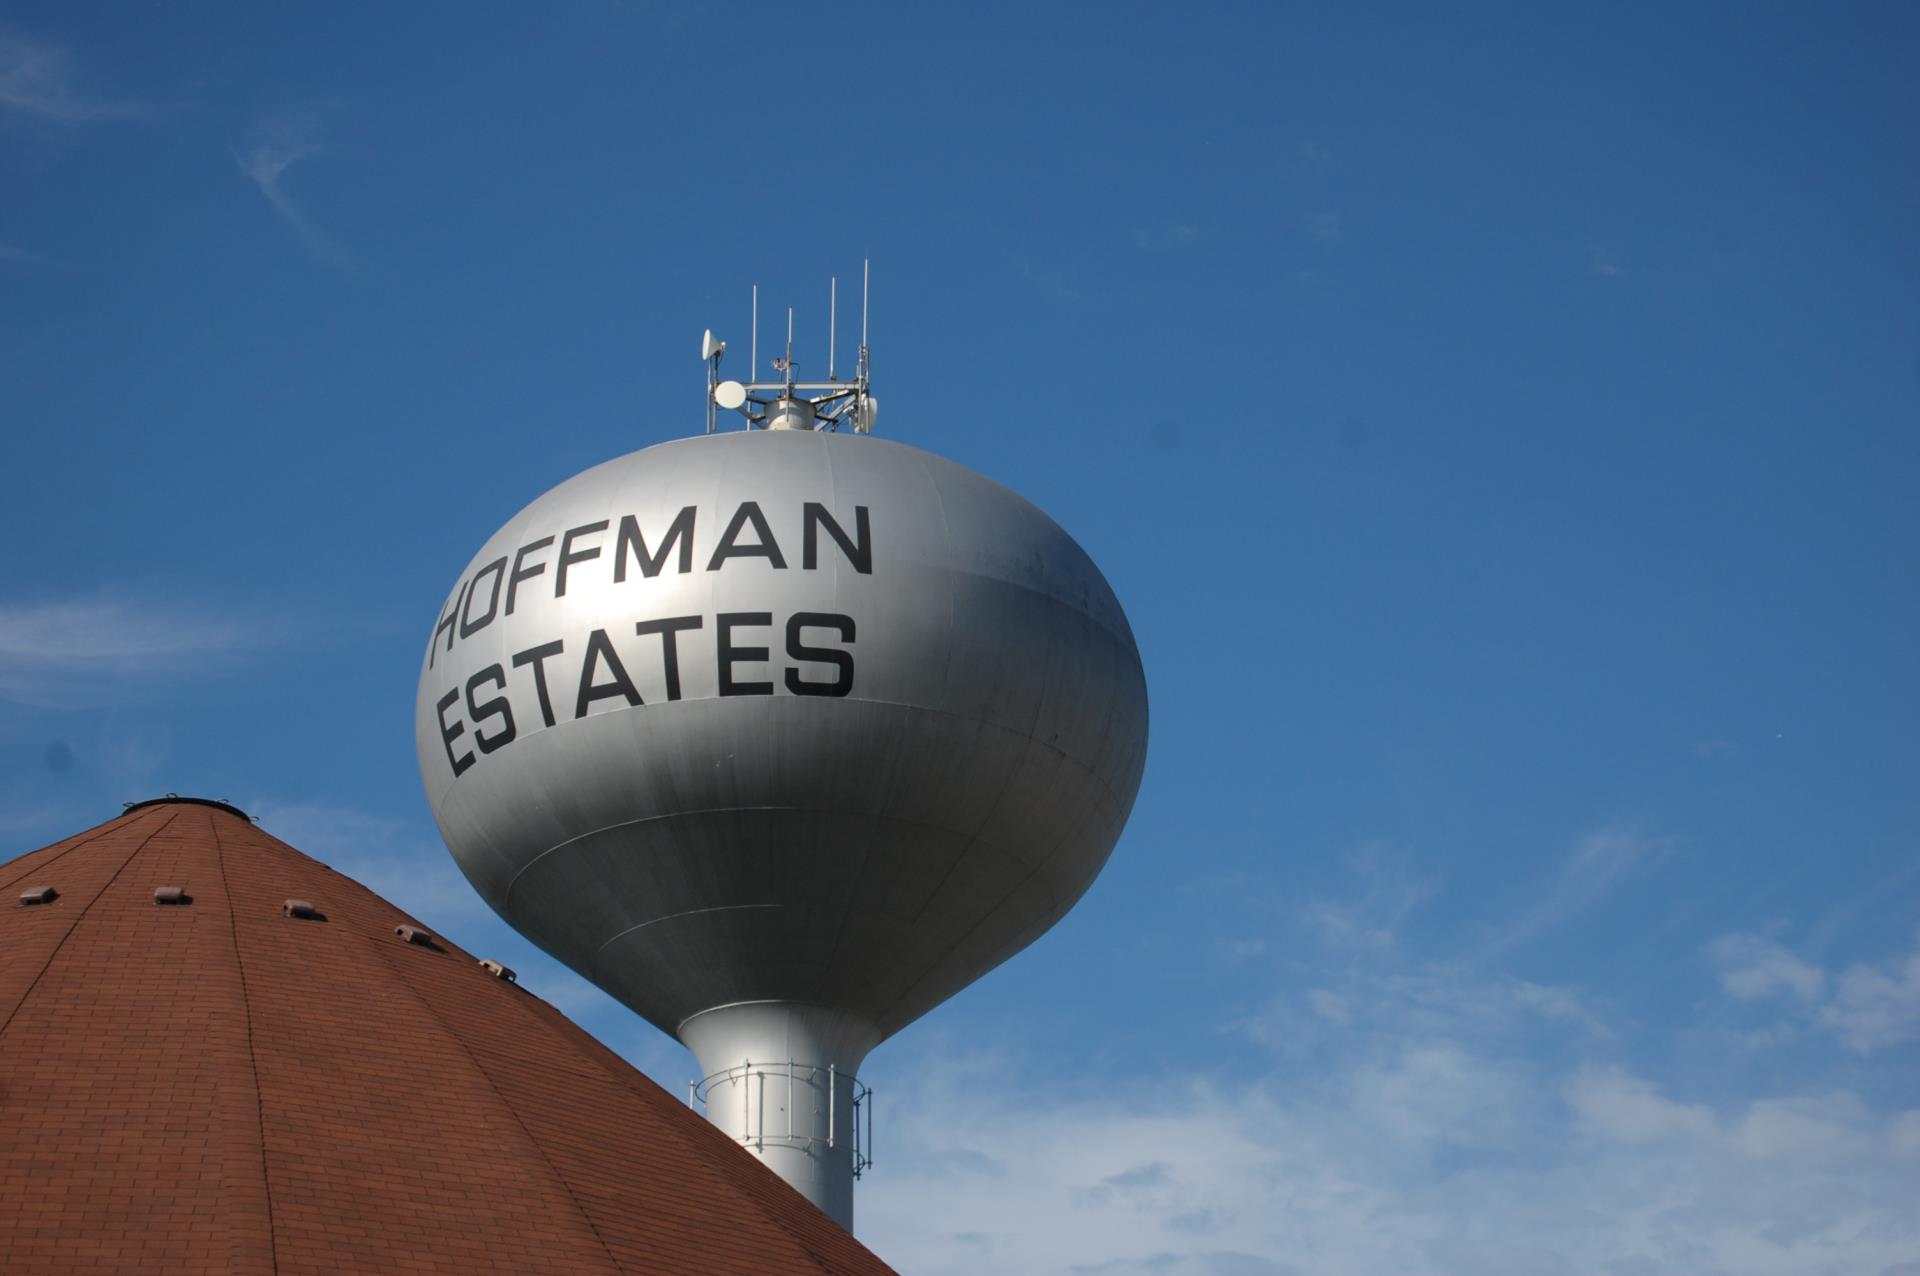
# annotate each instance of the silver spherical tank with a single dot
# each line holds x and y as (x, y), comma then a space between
(782, 737)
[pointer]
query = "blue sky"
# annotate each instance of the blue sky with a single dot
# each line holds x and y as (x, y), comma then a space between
(1502, 428)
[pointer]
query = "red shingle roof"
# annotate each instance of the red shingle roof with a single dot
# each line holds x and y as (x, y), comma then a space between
(217, 1087)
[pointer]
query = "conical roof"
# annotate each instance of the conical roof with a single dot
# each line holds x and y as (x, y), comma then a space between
(215, 1086)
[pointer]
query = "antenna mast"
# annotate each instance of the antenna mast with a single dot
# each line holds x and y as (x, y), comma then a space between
(789, 403)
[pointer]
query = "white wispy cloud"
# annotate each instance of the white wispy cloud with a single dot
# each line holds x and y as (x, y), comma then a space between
(1873, 1008)
(1046, 282)
(1906, 1134)
(104, 632)
(1349, 1007)
(277, 144)
(1175, 235)
(1442, 1160)
(1596, 864)
(1415, 1114)
(1813, 1129)
(1370, 919)
(18, 819)
(1869, 1007)
(1613, 1104)
(1751, 968)
(43, 81)
(76, 653)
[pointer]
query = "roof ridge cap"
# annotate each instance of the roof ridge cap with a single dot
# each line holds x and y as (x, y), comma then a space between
(175, 799)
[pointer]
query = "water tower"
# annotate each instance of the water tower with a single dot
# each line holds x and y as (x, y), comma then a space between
(782, 736)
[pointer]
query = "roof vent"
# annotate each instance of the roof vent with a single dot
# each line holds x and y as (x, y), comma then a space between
(303, 909)
(498, 971)
(171, 895)
(413, 935)
(39, 895)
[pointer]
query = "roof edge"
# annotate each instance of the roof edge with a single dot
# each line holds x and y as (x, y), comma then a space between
(174, 799)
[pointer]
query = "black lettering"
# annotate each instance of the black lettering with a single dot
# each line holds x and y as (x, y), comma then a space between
(599, 649)
(516, 575)
(569, 556)
(767, 547)
(728, 653)
(669, 629)
(478, 713)
(498, 705)
(630, 540)
(468, 625)
(840, 660)
(448, 734)
(446, 622)
(859, 550)
(537, 657)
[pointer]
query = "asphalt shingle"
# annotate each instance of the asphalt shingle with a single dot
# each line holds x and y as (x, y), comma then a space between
(218, 1087)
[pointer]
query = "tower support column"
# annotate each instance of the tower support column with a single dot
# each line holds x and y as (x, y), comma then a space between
(781, 1081)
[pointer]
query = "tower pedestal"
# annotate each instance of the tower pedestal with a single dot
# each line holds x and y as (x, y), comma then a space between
(780, 1080)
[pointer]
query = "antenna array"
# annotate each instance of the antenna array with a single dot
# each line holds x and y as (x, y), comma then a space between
(790, 403)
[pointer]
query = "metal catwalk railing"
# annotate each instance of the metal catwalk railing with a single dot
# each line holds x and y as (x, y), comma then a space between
(773, 1088)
